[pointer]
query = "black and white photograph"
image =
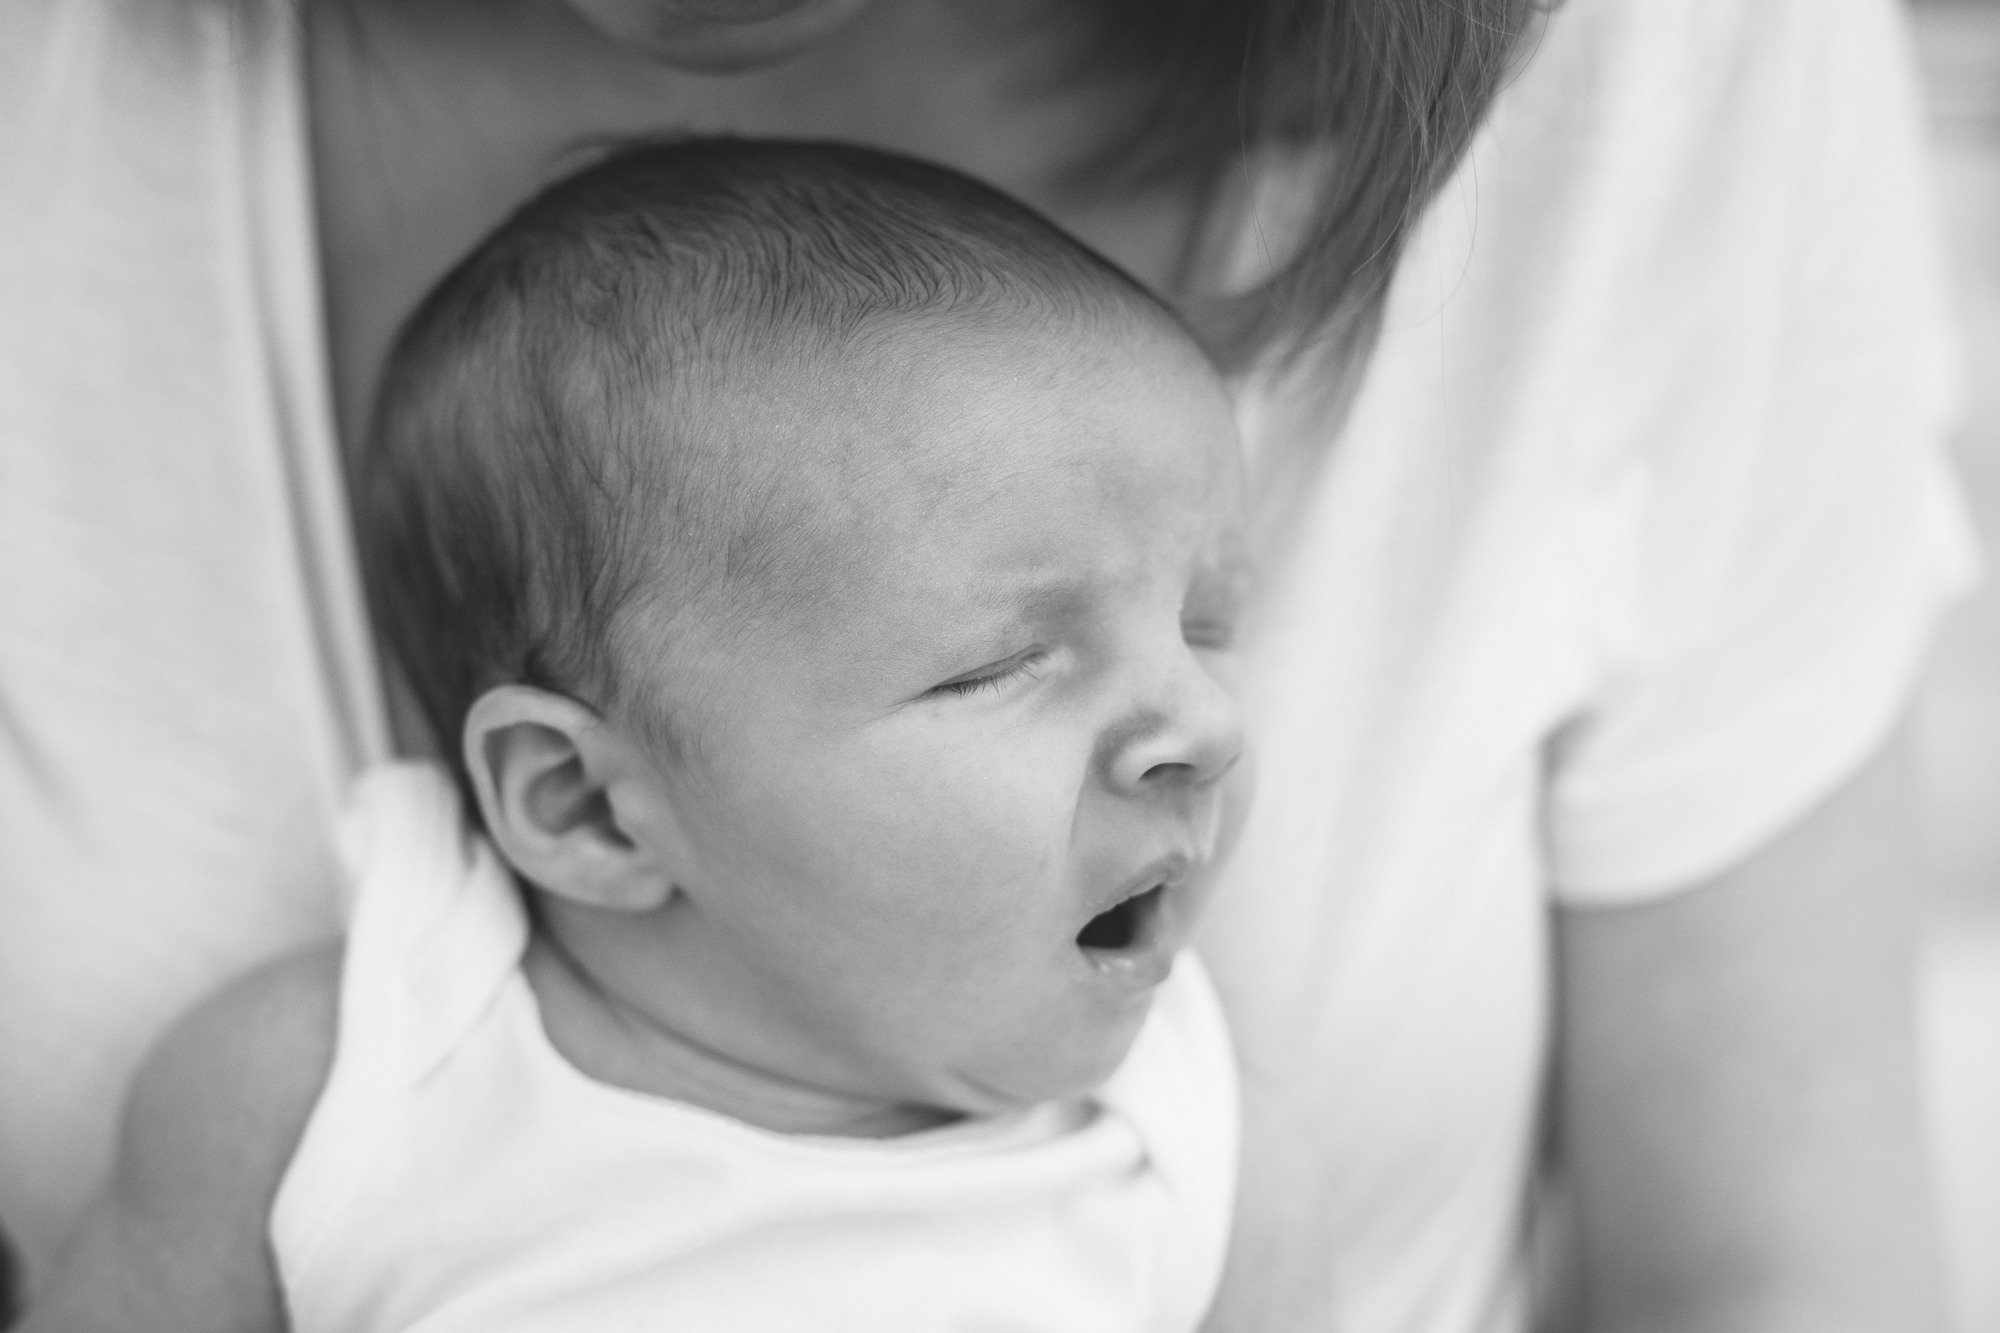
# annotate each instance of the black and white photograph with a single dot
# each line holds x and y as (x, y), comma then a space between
(999, 666)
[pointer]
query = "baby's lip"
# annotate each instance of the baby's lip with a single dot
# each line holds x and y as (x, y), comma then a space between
(1169, 869)
(1137, 928)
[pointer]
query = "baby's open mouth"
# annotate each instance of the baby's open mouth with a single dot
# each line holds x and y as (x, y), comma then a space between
(1123, 925)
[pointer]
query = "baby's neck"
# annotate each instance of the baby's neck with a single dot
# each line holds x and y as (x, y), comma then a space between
(611, 1034)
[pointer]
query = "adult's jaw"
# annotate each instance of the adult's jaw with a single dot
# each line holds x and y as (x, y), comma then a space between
(718, 36)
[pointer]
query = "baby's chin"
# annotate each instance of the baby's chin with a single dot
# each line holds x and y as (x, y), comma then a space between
(1046, 1067)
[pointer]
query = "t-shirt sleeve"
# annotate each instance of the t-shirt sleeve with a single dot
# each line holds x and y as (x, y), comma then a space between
(1773, 518)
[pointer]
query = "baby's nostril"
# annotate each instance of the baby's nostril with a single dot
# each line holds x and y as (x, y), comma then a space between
(1161, 772)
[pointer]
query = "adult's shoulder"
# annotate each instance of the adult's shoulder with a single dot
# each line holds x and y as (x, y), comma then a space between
(1758, 371)
(164, 105)
(1677, 200)
(1672, 67)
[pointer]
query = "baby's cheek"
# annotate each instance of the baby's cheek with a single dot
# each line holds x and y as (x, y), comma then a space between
(1016, 794)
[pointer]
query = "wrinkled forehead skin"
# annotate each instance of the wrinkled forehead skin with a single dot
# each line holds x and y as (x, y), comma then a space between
(804, 475)
(917, 435)
(718, 36)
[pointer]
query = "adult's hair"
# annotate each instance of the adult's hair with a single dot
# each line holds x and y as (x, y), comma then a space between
(1394, 89)
(545, 452)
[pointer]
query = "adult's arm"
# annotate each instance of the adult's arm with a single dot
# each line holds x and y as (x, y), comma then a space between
(10, 1282)
(178, 1241)
(1737, 1118)
(1735, 1085)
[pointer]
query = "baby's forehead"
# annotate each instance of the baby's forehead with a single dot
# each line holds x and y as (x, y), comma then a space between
(873, 502)
(943, 419)
(939, 437)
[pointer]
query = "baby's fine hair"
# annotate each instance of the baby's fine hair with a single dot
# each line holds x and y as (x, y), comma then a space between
(540, 439)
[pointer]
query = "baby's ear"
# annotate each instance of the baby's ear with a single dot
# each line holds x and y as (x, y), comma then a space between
(557, 787)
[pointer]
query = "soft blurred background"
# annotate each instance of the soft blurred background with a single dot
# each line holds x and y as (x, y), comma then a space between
(1958, 712)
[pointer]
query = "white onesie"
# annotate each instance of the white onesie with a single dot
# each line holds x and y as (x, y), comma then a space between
(459, 1174)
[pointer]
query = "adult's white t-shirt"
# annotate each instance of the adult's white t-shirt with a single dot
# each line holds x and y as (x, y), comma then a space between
(1625, 557)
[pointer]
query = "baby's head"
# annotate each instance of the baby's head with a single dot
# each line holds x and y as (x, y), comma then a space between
(823, 571)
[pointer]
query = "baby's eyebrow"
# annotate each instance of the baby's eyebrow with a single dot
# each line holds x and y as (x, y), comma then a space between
(1053, 598)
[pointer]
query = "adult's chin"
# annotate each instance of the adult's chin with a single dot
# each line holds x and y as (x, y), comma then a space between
(718, 36)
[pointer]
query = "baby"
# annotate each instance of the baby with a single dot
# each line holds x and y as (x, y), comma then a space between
(827, 572)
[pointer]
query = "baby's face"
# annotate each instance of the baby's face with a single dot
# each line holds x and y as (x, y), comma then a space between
(955, 797)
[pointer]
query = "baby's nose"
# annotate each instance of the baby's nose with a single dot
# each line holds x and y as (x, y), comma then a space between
(1187, 732)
